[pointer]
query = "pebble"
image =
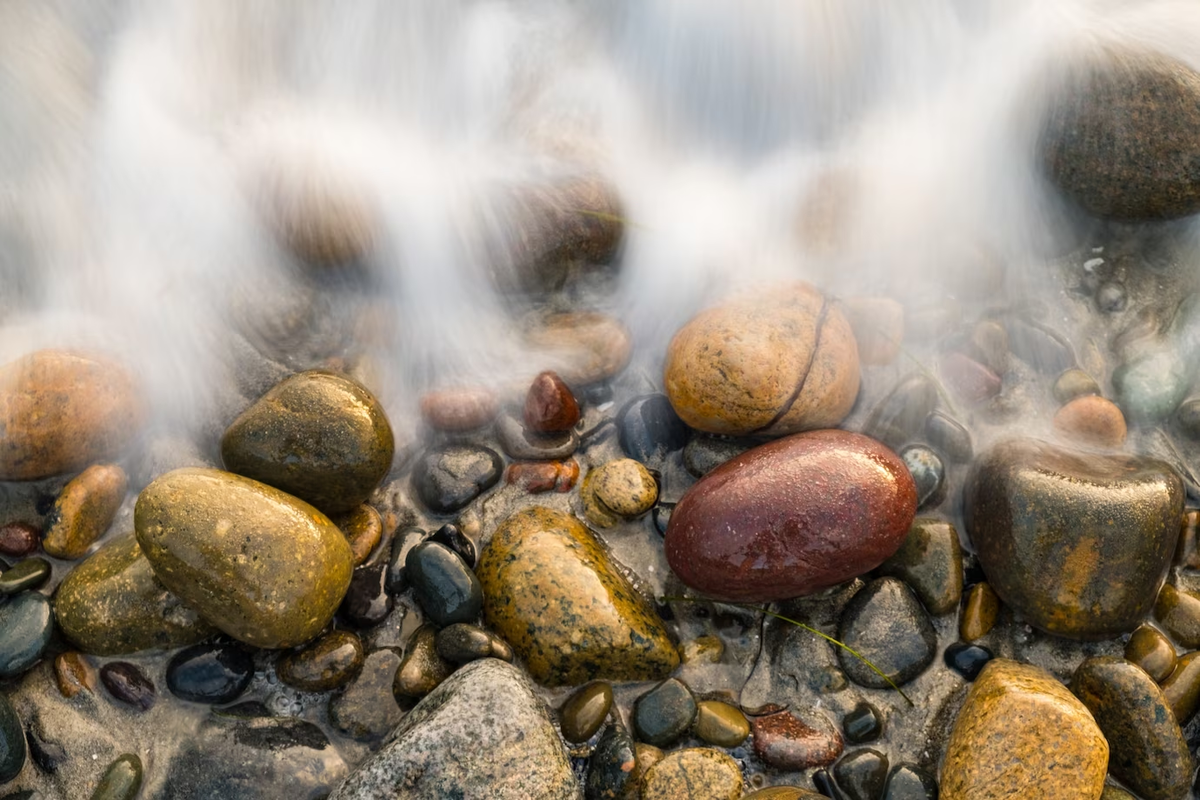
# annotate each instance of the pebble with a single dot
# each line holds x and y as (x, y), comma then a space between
(970, 380)
(617, 491)
(1187, 552)
(1151, 651)
(967, 660)
(928, 473)
(552, 592)
(73, 674)
(1147, 750)
(862, 724)
(460, 643)
(452, 536)
(422, 669)
(536, 477)
(861, 774)
(1041, 349)
(826, 785)
(329, 662)
(12, 741)
(367, 602)
(1074, 383)
(448, 478)
(84, 510)
(1020, 733)
(1182, 687)
(1091, 421)
(980, 613)
(589, 346)
(1120, 514)
(664, 713)
(948, 435)
(26, 624)
(443, 585)
(899, 417)
(111, 604)
(367, 710)
(800, 543)
(63, 411)
(1149, 387)
(29, 573)
(878, 325)
(584, 712)
(210, 673)
(459, 410)
(550, 407)
(886, 624)
(129, 684)
(930, 562)
(720, 724)
(1179, 614)
(403, 542)
(254, 562)
(317, 435)
(773, 363)
(785, 741)
(613, 771)
(661, 514)
(648, 429)
(696, 773)
(122, 780)
(908, 782)
(1115, 793)
(782, 793)
(363, 528)
(19, 539)
(524, 445)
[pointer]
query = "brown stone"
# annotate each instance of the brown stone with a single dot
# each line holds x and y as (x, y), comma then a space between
(62, 411)
(588, 346)
(1179, 614)
(878, 325)
(326, 663)
(1187, 551)
(616, 491)
(1091, 421)
(536, 477)
(84, 510)
(73, 674)
(456, 410)
(720, 723)
(550, 407)
(421, 669)
(979, 615)
(1182, 688)
(19, 539)
(363, 528)
(1150, 650)
(784, 741)
(1020, 733)
(772, 363)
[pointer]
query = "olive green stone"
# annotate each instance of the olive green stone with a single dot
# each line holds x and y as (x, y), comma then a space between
(783, 793)
(584, 711)
(323, 664)
(1182, 688)
(84, 510)
(1179, 613)
(1115, 793)
(702, 650)
(1151, 651)
(264, 567)
(421, 669)
(1074, 383)
(663, 714)
(618, 490)
(1147, 751)
(696, 773)
(930, 562)
(980, 613)
(720, 724)
(111, 604)
(121, 780)
(552, 592)
(317, 435)
(29, 573)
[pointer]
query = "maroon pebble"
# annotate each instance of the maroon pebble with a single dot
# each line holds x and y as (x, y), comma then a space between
(792, 517)
(549, 406)
(786, 742)
(18, 539)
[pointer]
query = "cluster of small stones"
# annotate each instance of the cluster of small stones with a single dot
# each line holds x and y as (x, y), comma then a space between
(793, 569)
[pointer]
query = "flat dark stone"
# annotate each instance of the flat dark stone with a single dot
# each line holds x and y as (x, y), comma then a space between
(129, 684)
(886, 624)
(448, 478)
(367, 602)
(26, 623)
(663, 714)
(649, 429)
(444, 586)
(210, 673)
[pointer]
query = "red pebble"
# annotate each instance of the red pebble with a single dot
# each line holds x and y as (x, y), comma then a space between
(19, 539)
(550, 407)
(536, 477)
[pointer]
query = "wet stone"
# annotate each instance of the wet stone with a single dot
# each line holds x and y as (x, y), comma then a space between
(909, 782)
(967, 660)
(447, 479)
(720, 724)
(930, 562)
(1179, 614)
(363, 528)
(970, 380)
(443, 585)
(84, 510)
(613, 772)
(591, 346)
(129, 684)
(704, 453)
(887, 625)
(1182, 688)
(928, 473)
(616, 491)
(648, 429)
(862, 724)
(1115, 793)
(1091, 421)
(1187, 552)
(948, 436)
(663, 714)
(396, 581)
(661, 514)
(1039, 348)
(1074, 383)
(1151, 651)
(367, 602)
(782, 793)
(550, 407)
(452, 536)
(785, 741)
(1147, 749)
(988, 344)
(979, 615)
(12, 741)
(73, 674)
(458, 410)
(585, 711)
(122, 780)
(696, 773)
(460, 643)
(326, 663)
(210, 673)
(19, 539)
(421, 669)
(26, 623)
(825, 784)
(861, 774)
(536, 477)
(899, 417)
(368, 710)
(29, 573)
(524, 445)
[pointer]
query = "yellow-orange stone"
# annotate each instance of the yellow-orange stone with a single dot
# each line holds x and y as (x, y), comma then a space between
(1021, 733)
(1091, 420)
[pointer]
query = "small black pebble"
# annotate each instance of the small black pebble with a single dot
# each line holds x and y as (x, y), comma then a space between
(862, 724)
(128, 684)
(967, 660)
(451, 536)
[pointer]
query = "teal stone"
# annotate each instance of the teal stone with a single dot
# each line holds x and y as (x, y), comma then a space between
(26, 623)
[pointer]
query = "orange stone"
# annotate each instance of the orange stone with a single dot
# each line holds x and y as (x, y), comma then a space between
(1091, 420)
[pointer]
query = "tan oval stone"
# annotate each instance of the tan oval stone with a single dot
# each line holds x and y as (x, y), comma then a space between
(773, 363)
(264, 567)
(1021, 733)
(621, 489)
(84, 510)
(696, 773)
(1091, 420)
(720, 724)
(61, 411)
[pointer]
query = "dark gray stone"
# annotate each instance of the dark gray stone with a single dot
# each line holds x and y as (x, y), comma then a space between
(886, 624)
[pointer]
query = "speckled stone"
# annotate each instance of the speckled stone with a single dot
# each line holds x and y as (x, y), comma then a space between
(317, 435)
(1092, 421)
(720, 723)
(552, 593)
(702, 650)
(1020, 733)
(363, 528)
(122, 780)
(422, 669)
(785, 741)
(264, 567)
(1120, 516)
(84, 510)
(616, 491)
(696, 773)
(448, 478)
(1182, 687)
(111, 604)
(979, 615)
(326, 663)
(1179, 614)
(368, 710)
(1147, 750)
(663, 714)
(886, 625)
(482, 732)
(930, 562)
(584, 711)
(1151, 651)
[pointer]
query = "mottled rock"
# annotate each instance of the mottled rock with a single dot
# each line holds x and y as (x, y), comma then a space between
(210, 673)
(316, 435)
(930, 562)
(368, 710)
(585, 711)
(457, 410)
(791, 517)
(1076, 543)
(550, 407)
(648, 428)
(785, 741)
(536, 477)
(616, 491)
(1021, 733)
(696, 773)
(448, 478)
(1151, 651)
(262, 566)
(84, 510)
(588, 346)
(1147, 751)
(1091, 421)
(62, 411)
(482, 732)
(979, 615)
(885, 624)
(772, 364)
(26, 623)
(326, 663)
(422, 669)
